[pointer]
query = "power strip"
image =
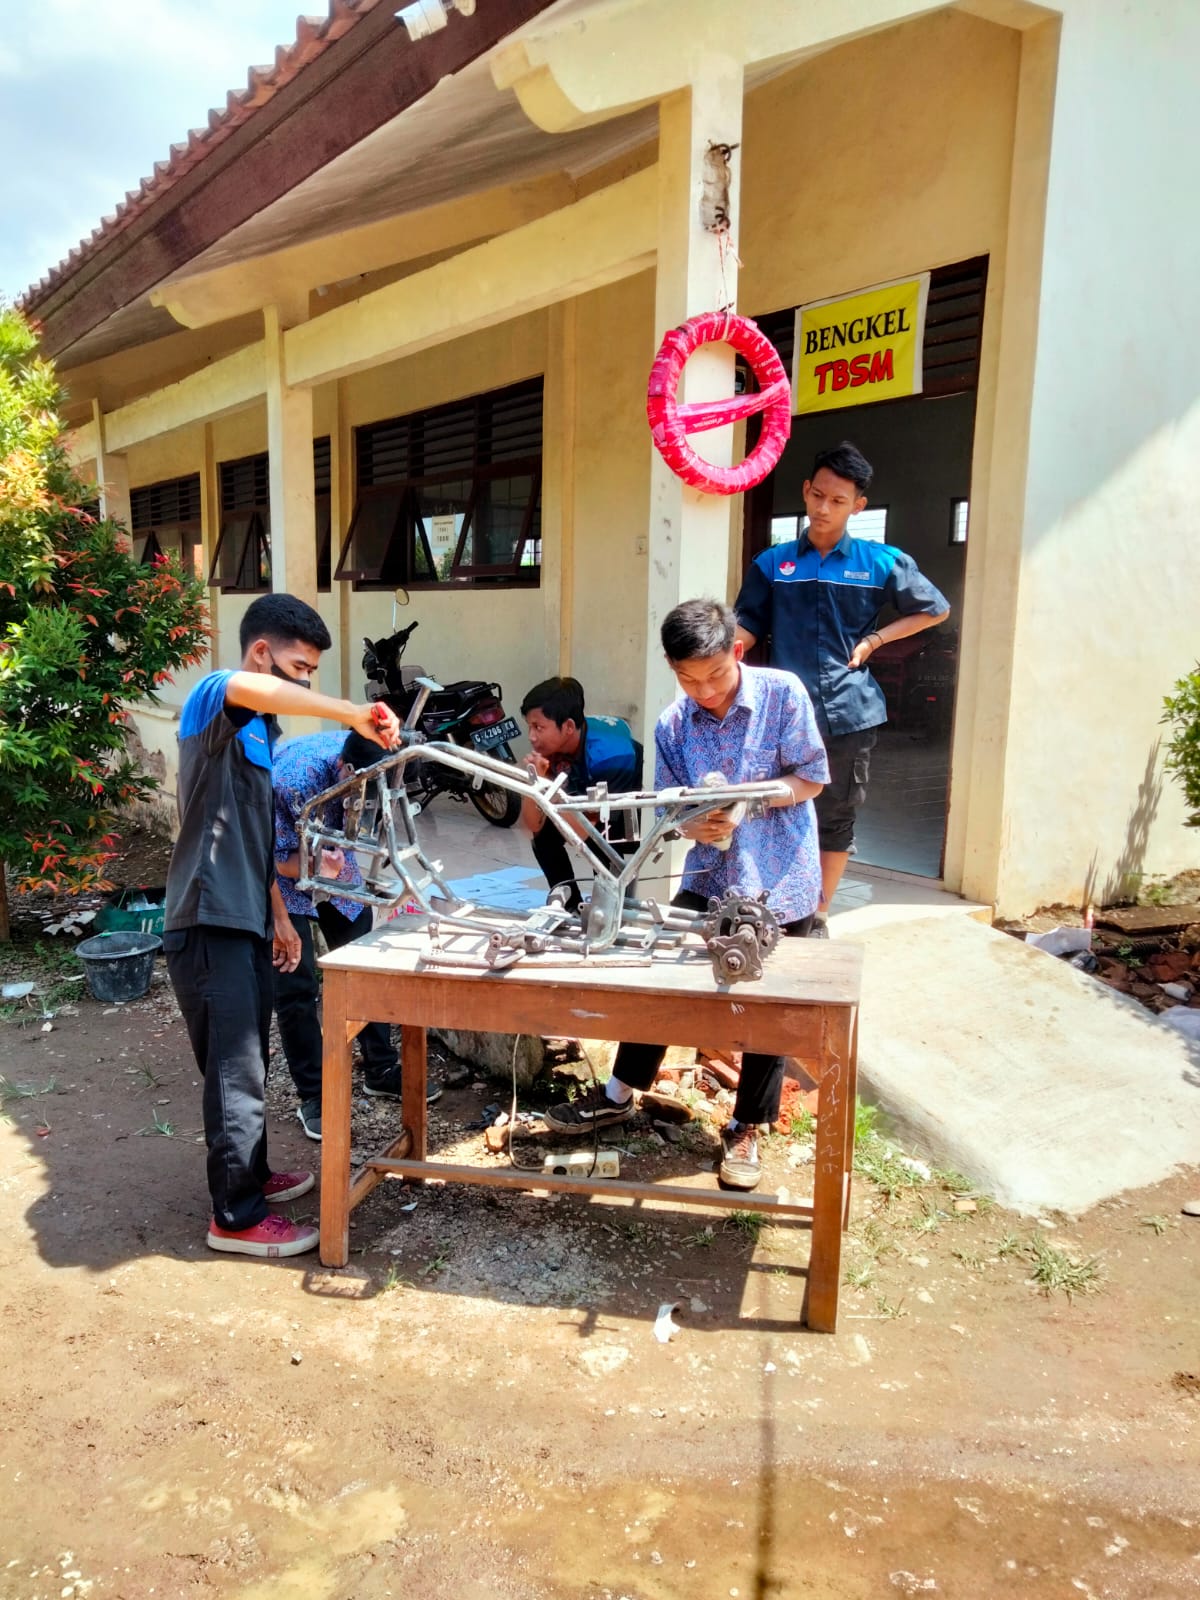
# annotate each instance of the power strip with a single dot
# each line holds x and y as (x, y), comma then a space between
(578, 1164)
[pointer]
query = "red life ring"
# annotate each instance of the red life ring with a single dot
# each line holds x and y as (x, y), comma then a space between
(670, 423)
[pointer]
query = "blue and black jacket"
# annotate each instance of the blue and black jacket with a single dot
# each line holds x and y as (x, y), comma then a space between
(815, 610)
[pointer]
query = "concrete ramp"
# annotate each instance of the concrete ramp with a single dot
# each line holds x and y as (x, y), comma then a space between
(1039, 1083)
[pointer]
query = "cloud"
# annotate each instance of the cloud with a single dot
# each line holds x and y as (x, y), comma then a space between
(95, 91)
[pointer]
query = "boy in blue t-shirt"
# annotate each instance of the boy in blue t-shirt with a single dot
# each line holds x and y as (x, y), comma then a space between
(226, 926)
(590, 750)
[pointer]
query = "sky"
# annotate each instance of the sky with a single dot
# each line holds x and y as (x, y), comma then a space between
(93, 92)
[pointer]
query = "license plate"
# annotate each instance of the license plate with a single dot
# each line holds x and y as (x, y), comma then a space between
(498, 733)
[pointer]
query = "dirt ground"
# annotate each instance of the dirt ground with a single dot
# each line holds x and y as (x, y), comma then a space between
(477, 1406)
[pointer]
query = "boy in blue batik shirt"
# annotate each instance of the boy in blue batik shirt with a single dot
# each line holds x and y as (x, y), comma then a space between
(306, 767)
(750, 724)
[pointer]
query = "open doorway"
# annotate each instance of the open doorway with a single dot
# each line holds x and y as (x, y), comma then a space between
(920, 448)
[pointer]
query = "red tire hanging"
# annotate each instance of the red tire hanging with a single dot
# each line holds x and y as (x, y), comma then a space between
(670, 423)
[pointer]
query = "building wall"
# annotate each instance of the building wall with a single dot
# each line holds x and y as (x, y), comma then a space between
(614, 349)
(1106, 616)
(464, 632)
(940, 139)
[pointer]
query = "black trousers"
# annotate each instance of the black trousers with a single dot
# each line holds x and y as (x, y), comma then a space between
(760, 1086)
(838, 802)
(551, 854)
(223, 982)
(298, 1006)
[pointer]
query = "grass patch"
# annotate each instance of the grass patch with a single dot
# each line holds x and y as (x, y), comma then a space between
(1054, 1269)
(872, 1238)
(861, 1276)
(889, 1308)
(1009, 1244)
(701, 1240)
(804, 1124)
(437, 1262)
(1159, 1224)
(160, 1125)
(23, 1091)
(394, 1279)
(930, 1218)
(970, 1259)
(879, 1161)
(749, 1224)
(865, 1118)
(635, 1232)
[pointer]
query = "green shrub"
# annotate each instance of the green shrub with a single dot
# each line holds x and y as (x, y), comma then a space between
(1181, 712)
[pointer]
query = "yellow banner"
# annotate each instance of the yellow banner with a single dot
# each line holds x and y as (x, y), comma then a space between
(860, 347)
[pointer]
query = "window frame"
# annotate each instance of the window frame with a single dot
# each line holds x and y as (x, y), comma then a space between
(190, 530)
(870, 507)
(406, 544)
(257, 514)
(256, 526)
(956, 501)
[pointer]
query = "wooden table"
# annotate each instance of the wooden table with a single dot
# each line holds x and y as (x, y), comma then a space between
(805, 1005)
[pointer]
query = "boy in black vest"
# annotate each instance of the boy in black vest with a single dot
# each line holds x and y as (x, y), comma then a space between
(225, 922)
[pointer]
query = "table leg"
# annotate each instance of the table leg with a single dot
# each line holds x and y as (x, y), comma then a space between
(834, 1110)
(414, 1073)
(335, 1125)
(852, 1102)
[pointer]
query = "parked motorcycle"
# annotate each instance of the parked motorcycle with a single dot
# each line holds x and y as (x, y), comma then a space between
(469, 713)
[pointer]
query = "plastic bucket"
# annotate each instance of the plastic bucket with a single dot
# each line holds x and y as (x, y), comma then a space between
(120, 915)
(119, 965)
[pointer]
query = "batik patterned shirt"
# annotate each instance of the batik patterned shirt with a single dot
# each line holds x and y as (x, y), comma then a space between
(303, 768)
(770, 731)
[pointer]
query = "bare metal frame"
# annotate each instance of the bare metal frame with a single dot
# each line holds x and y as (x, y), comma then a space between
(379, 826)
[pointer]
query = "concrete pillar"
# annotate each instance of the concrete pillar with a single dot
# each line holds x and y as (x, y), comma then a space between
(293, 512)
(210, 532)
(112, 475)
(290, 446)
(688, 534)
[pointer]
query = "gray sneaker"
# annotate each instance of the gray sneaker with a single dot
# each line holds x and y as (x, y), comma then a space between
(740, 1166)
(387, 1087)
(591, 1109)
(309, 1114)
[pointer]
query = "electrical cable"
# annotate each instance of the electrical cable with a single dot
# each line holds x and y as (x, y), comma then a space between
(518, 1166)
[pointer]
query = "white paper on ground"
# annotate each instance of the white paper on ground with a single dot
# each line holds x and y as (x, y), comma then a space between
(1184, 1019)
(664, 1328)
(1061, 941)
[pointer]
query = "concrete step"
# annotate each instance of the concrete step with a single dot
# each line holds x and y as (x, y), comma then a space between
(1043, 1086)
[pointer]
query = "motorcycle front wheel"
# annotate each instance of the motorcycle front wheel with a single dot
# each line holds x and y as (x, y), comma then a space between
(500, 807)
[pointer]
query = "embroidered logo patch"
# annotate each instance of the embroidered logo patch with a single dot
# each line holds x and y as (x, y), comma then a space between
(786, 568)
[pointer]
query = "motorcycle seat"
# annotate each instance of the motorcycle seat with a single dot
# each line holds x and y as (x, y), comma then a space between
(467, 686)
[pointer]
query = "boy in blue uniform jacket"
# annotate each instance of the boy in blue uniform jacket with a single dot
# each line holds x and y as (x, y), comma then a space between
(225, 925)
(589, 750)
(818, 599)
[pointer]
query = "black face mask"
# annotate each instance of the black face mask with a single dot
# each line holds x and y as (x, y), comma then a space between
(278, 672)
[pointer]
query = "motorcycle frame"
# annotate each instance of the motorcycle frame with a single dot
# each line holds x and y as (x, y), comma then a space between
(379, 823)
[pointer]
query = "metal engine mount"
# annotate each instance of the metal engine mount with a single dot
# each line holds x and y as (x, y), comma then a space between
(739, 933)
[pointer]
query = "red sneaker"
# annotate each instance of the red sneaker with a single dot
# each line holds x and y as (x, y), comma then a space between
(287, 1186)
(273, 1236)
